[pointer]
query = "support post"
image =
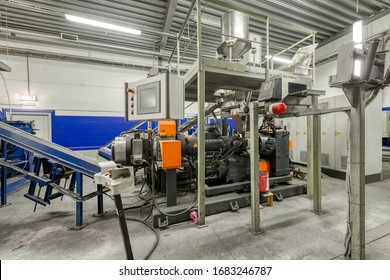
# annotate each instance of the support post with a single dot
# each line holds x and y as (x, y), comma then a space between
(79, 205)
(171, 186)
(4, 174)
(315, 158)
(313, 74)
(100, 201)
(309, 156)
(356, 95)
(254, 156)
(267, 48)
(201, 126)
(178, 54)
(123, 226)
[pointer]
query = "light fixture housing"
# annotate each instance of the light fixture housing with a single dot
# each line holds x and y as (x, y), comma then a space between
(103, 24)
(357, 37)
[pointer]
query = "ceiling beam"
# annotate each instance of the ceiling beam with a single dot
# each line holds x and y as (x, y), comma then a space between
(169, 13)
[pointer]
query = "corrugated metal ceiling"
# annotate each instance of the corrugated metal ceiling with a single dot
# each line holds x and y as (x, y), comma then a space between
(43, 17)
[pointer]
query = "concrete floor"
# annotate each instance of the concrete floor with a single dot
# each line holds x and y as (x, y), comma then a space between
(291, 230)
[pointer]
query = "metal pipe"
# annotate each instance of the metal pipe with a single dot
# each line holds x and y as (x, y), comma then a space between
(292, 46)
(123, 226)
(267, 42)
(254, 156)
(3, 174)
(178, 55)
(201, 126)
(314, 62)
(82, 42)
(369, 60)
(183, 28)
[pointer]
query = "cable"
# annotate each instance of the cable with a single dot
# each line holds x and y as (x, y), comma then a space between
(9, 99)
(157, 233)
(348, 235)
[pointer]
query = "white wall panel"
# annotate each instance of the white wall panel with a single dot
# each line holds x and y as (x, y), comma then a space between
(69, 87)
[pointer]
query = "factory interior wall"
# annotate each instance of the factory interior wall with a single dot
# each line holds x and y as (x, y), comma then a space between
(87, 100)
(374, 140)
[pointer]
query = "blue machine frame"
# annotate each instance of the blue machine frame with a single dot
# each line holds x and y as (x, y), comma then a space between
(58, 154)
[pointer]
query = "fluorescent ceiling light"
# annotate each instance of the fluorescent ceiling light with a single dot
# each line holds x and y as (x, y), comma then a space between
(278, 59)
(357, 34)
(28, 98)
(103, 24)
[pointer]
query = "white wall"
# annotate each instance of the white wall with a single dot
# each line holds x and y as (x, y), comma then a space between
(374, 111)
(67, 87)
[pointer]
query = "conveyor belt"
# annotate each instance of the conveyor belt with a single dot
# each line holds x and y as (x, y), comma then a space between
(194, 120)
(54, 152)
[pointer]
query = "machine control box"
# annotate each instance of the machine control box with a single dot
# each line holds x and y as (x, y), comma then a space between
(155, 98)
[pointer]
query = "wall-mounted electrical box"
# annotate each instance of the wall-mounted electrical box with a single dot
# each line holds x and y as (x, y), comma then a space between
(155, 98)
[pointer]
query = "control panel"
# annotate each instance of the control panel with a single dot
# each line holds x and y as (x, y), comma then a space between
(154, 98)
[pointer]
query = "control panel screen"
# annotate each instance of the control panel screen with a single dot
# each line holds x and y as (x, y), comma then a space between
(148, 96)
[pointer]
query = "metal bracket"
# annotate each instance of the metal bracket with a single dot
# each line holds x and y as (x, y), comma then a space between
(278, 196)
(163, 224)
(234, 206)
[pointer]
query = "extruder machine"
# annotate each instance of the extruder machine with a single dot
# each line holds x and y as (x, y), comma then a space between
(166, 157)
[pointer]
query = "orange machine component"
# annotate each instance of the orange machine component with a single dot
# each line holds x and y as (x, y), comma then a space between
(290, 144)
(170, 154)
(264, 166)
(167, 128)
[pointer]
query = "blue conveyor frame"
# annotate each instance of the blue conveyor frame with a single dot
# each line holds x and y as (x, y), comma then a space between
(81, 164)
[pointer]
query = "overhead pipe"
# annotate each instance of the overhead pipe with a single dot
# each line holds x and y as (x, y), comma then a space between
(182, 28)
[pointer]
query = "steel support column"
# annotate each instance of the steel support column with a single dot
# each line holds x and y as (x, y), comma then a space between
(79, 205)
(100, 201)
(315, 158)
(356, 199)
(4, 174)
(254, 156)
(201, 125)
(309, 157)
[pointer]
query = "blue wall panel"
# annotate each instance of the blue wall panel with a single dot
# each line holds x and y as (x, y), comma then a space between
(87, 132)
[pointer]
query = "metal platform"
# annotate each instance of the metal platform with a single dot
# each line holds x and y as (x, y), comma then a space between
(224, 75)
(222, 203)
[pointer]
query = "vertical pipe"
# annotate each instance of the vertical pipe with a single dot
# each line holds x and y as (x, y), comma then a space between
(178, 54)
(357, 195)
(309, 156)
(316, 159)
(4, 174)
(100, 200)
(314, 62)
(201, 125)
(79, 205)
(254, 156)
(267, 47)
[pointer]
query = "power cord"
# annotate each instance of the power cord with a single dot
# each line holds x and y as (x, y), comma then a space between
(348, 235)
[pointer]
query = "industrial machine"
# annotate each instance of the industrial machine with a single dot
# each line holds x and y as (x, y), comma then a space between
(167, 157)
